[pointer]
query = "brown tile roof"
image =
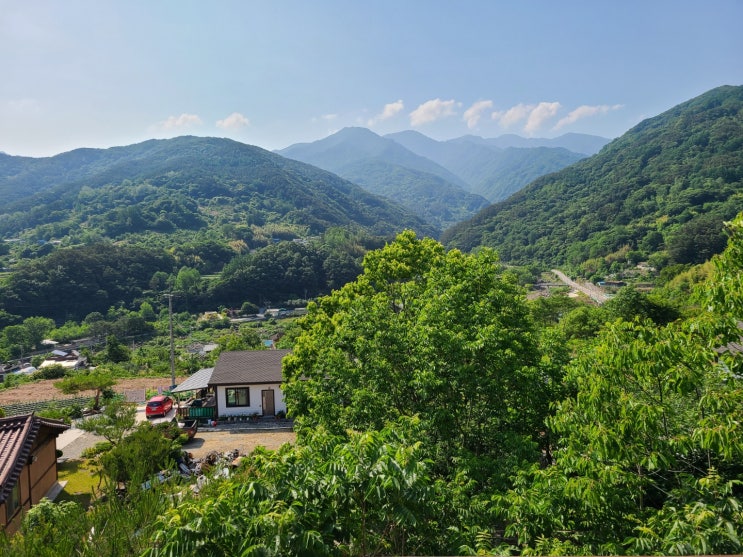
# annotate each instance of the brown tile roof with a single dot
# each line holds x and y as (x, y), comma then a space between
(248, 366)
(17, 436)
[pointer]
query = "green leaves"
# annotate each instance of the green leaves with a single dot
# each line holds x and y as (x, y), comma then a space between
(444, 336)
(369, 494)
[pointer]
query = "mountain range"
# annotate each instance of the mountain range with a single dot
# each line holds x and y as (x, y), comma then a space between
(662, 189)
(443, 182)
(666, 186)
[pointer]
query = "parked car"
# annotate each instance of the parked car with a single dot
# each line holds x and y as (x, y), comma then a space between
(158, 406)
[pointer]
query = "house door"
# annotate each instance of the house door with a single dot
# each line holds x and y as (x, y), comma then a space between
(269, 409)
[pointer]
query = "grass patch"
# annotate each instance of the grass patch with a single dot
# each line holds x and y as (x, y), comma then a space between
(81, 481)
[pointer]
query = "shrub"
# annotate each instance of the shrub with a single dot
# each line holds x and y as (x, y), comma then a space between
(97, 449)
(54, 371)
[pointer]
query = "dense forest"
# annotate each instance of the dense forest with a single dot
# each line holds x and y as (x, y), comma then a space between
(69, 283)
(186, 183)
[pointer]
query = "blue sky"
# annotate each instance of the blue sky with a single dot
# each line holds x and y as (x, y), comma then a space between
(97, 73)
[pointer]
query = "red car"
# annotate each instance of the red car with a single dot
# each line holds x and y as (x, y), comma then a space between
(158, 406)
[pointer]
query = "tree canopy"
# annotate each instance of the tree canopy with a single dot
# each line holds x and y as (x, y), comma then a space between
(444, 336)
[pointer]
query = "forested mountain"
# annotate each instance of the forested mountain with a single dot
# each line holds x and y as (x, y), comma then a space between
(386, 168)
(665, 186)
(95, 228)
(192, 183)
(488, 169)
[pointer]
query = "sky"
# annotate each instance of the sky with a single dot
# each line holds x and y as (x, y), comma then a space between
(102, 73)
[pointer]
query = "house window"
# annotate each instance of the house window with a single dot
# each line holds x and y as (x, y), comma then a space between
(14, 500)
(239, 396)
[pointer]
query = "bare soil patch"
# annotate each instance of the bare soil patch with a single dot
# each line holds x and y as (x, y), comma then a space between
(45, 390)
(244, 441)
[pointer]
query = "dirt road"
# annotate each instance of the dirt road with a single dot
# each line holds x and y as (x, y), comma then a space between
(590, 290)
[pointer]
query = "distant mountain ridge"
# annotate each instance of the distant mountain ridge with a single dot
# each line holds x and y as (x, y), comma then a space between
(577, 142)
(384, 167)
(663, 188)
(164, 185)
(443, 182)
(489, 170)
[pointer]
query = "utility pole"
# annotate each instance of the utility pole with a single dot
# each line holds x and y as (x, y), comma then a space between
(172, 346)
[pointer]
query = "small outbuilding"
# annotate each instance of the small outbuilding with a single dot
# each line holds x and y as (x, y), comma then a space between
(28, 464)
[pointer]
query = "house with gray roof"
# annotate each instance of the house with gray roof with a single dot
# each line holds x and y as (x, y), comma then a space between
(248, 382)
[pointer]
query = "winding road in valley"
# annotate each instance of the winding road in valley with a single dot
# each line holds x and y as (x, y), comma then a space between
(590, 290)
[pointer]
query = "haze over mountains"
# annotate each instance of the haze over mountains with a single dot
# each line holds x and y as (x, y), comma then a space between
(442, 181)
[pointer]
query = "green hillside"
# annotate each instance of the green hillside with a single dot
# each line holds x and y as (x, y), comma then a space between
(428, 196)
(165, 187)
(665, 187)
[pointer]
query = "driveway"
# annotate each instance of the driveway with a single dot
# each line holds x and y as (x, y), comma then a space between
(74, 441)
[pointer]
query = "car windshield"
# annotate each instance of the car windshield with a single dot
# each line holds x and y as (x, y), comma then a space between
(155, 404)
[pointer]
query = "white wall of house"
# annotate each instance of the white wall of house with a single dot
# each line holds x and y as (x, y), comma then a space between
(255, 403)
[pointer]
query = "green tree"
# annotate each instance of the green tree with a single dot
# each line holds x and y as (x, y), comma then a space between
(442, 335)
(51, 529)
(8, 319)
(138, 456)
(38, 328)
(188, 281)
(116, 420)
(630, 304)
(583, 322)
(16, 338)
(69, 331)
(368, 494)
(650, 448)
(115, 351)
(86, 381)
(146, 312)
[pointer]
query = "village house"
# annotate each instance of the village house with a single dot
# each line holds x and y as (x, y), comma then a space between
(242, 383)
(70, 359)
(248, 382)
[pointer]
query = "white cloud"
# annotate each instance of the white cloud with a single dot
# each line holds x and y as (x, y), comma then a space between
(432, 110)
(585, 111)
(390, 110)
(472, 114)
(541, 113)
(534, 114)
(513, 115)
(182, 121)
(233, 121)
